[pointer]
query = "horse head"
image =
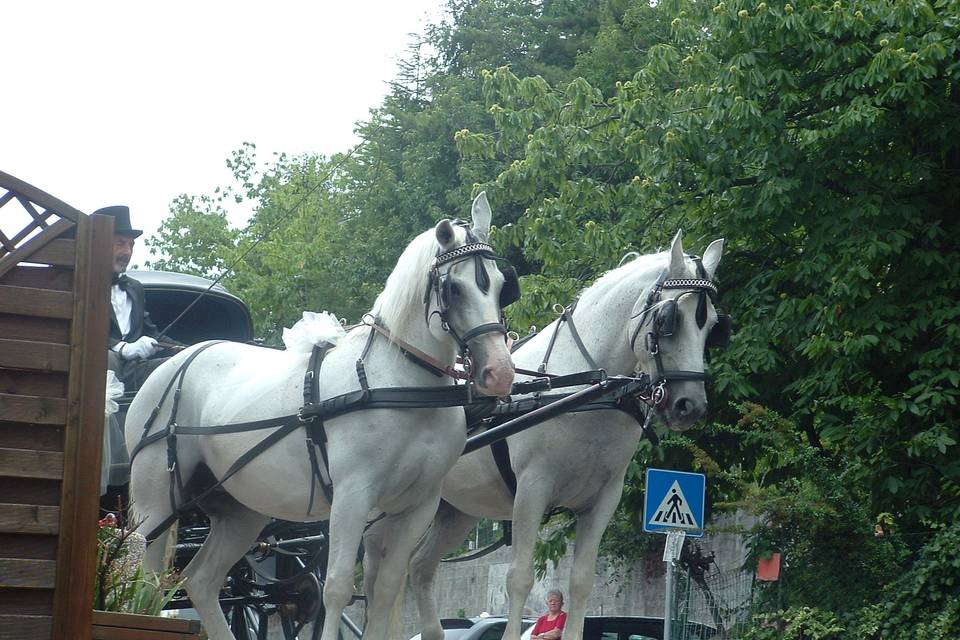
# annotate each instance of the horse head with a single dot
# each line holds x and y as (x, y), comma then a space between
(465, 296)
(672, 323)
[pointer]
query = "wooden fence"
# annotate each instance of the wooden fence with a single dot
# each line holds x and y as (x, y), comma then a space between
(55, 265)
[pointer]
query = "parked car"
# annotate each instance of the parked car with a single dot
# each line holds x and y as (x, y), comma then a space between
(479, 628)
(632, 628)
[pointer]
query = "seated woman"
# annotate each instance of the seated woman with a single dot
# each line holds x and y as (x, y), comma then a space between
(550, 625)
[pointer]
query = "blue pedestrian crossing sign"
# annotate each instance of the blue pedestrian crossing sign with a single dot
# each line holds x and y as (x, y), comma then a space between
(674, 500)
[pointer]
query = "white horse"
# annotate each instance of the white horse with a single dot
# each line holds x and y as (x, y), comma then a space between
(578, 460)
(388, 460)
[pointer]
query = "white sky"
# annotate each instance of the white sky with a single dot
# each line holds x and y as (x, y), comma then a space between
(134, 103)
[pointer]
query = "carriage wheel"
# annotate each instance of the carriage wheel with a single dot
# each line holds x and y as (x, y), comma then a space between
(247, 622)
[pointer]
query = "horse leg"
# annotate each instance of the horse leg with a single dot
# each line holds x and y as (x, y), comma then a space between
(528, 509)
(449, 528)
(373, 545)
(233, 530)
(590, 527)
(347, 519)
(149, 507)
(405, 529)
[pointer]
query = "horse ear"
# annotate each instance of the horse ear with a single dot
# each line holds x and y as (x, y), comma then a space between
(711, 257)
(445, 234)
(676, 255)
(481, 216)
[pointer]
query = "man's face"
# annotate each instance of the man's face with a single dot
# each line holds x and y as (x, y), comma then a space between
(554, 604)
(122, 250)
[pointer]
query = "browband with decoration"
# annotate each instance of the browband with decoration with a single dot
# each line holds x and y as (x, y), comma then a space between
(462, 251)
(690, 283)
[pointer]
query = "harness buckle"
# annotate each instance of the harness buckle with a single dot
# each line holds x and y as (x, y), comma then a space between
(651, 343)
(660, 394)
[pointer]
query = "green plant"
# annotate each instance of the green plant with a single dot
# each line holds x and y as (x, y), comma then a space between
(121, 582)
(800, 622)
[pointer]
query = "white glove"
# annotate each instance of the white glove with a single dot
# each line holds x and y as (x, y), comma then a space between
(142, 348)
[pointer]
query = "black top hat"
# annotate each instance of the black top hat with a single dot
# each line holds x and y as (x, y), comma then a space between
(121, 223)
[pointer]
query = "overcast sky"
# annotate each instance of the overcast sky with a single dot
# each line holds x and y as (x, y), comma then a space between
(134, 103)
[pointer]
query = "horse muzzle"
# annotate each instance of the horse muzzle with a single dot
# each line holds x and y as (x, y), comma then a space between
(682, 405)
(494, 372)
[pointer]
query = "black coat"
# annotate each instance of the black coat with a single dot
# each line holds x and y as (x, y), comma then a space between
(140, 324)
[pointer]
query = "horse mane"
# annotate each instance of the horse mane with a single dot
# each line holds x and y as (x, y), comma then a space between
(401, 301)
(631, 272)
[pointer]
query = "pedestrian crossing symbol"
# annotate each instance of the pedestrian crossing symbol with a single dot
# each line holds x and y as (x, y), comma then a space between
(674, 500)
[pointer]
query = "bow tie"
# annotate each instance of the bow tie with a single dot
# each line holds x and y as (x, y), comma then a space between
(120, 280)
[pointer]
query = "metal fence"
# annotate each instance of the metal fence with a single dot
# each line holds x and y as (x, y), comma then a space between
(711, 604)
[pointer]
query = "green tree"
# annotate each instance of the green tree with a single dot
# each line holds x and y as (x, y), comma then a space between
(822, 141)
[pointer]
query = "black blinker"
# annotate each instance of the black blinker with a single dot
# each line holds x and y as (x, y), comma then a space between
(719, 336)
(510, 292)
(667, 318)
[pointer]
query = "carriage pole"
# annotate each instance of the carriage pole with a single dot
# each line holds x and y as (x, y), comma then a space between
(551, 410)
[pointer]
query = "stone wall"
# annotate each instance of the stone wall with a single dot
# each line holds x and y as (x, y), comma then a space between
(480, 586)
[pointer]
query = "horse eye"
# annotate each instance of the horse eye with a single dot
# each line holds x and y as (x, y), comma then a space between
(454, 289)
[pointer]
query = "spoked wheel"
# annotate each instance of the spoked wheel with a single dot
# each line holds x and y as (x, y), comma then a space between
(247, 622)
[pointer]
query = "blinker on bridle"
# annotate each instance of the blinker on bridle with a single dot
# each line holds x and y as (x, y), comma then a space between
(439, 286)
(661, 316)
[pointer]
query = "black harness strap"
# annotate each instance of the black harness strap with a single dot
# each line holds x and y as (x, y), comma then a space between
(501, 455)
(178, 378)
(285, 430)
(317, 435)
(567, 318)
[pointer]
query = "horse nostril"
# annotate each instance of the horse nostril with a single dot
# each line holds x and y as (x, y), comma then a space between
(493, 378)
(684, 407)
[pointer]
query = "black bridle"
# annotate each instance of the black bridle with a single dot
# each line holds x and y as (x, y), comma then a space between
(660, 317)
(439, 286)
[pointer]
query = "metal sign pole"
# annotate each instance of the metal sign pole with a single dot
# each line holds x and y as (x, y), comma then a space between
(668, 603)
(671, 552)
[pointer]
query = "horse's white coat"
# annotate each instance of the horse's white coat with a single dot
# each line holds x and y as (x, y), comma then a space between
(576, 460)
(380, 460)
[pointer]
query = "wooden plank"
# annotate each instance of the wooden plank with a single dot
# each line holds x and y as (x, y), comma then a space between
(33, 383)
(26, 518)
(35, 409)
(135, 621)
(83, 438)
(26, 602)
(34, 302)
(40, 277)
(37, 356)
(33, 491)
(27, 463)
(118, 633)
(61, 253)
(34, 329)
(43, 248)
(42, 198)
(24, 545)
(16, 435)
(26, 627)
(27, 574)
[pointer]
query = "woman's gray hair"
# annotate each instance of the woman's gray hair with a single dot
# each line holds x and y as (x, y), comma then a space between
(555, 592)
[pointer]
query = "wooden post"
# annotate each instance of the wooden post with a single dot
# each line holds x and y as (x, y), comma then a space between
(80, 494)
